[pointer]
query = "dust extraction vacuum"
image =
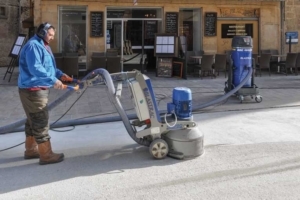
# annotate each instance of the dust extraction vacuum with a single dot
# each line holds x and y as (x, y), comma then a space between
(240, 63)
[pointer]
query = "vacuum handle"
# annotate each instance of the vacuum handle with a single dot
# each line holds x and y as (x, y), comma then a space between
(69, 79)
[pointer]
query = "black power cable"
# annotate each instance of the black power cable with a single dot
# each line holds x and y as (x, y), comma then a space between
(73, 127)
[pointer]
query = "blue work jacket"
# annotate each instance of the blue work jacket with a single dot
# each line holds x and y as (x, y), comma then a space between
(37, 65)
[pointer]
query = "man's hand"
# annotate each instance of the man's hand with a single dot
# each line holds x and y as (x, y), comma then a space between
(66, 78)
(58, 85)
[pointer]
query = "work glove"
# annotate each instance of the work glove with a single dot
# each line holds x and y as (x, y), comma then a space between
(66, 78)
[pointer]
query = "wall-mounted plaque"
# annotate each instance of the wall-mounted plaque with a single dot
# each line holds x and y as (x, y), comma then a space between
(231, 30)
(239, 12)
(210, 24)
(96, 24)
(171, 22)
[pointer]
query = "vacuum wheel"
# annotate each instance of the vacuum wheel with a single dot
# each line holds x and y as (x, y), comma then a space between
(241, 98)
(159, 148)
(258, 98)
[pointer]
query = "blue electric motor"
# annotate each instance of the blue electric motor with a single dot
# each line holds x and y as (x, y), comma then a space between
(241, 55)
(182, 103)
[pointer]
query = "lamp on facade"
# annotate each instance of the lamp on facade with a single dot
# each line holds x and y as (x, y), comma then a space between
(135, 3)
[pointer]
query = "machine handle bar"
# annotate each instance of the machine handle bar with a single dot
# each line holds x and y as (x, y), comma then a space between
(75, 88)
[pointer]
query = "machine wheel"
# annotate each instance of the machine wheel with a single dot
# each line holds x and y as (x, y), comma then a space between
(159, 148)
(258, 98)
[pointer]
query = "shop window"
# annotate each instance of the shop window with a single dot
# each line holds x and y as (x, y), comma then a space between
(3, 12)
(72, 31)
(189, 27)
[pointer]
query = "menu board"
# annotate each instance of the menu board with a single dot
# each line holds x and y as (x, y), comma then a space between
(210, 24)
(164, 67)
(171, 22)
(17, 46)
(165, 44)
(96, 24)
(150, 29)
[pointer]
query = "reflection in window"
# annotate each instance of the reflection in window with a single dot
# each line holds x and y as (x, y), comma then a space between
(72, 30)
(189, 26)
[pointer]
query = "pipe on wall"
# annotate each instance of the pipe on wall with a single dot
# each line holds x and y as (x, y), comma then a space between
(282, 20)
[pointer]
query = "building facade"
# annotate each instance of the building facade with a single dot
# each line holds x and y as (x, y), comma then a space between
(209, 25)
(12, 13)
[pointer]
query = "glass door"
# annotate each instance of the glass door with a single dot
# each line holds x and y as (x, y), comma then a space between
(114, 38)
(72, 33)
(134, 35)
(141, 35)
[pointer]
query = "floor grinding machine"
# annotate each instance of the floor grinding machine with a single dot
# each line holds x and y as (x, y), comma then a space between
(173, 133)
(240, 62)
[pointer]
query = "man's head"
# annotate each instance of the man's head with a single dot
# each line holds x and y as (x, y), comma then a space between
(46, 31)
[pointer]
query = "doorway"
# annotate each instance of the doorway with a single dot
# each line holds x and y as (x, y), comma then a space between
(229, 29)
(132, 34)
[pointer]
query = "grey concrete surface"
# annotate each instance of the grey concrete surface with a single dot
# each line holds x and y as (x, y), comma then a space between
(251, 149)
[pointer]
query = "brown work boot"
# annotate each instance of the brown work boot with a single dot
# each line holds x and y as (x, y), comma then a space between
(31, 148)
(46, 154)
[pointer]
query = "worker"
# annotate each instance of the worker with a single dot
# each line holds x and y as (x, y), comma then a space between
(38, 73)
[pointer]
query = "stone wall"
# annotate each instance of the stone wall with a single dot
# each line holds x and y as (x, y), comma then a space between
(10, 27)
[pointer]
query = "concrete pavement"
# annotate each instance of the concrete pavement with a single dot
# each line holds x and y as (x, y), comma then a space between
(250, 148)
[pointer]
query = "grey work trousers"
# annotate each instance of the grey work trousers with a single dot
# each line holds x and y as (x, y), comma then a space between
(35, 104)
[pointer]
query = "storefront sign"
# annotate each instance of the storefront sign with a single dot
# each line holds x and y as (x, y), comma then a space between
(239, 12)
(231, 30)
(96, 24)
(210, 24)
(171, 22)
(115, 14)
(293, 36)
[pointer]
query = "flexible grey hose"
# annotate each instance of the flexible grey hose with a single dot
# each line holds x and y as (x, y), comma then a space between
(10, 127)
(125, 118)
(227, 95)
(134, 116)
